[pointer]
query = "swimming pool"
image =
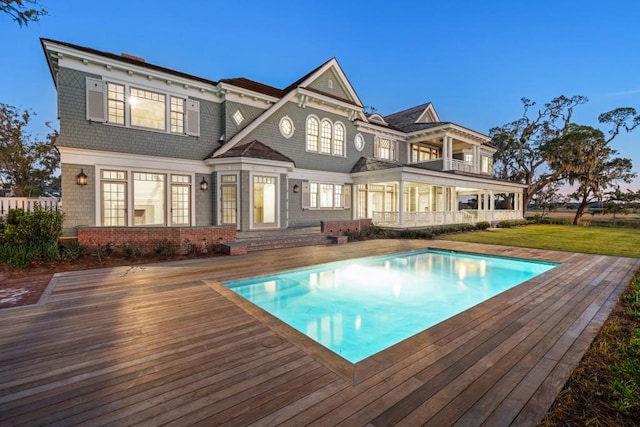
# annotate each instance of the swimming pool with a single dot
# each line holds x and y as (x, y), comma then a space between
(359, 307)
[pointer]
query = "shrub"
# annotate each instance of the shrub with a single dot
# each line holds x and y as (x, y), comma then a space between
(132, 252)
(71, 251)
(504, 224)
(32, 235)
(482, 225)
(189, 248)
(164, 248)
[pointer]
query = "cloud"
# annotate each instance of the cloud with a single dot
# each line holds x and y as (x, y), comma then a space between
(625, 92)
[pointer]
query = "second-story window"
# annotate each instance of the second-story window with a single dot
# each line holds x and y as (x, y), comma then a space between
(325, 137)
(132, 106)
(177, 115)
(313, 134)
(384, 148)
(487, 164)
(147, 109)
(423, 153)
(115, 103)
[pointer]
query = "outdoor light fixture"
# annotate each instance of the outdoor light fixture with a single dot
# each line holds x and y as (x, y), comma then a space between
(204, 185)
(296, 188)
(81, 178)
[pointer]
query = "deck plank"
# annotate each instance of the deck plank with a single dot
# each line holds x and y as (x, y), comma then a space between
(163, 343)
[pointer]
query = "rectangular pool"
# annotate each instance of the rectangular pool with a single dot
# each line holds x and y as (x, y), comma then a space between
(359, 307)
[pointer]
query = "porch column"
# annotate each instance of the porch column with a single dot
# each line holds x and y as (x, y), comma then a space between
(492, 205)
(476, 158)
(401, 204)
(445, 153)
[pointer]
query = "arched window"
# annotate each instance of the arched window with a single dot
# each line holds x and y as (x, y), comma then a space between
(338, 140)
(313, 134)
(325, 137)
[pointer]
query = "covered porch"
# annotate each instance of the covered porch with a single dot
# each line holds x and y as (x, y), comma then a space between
(420, 200)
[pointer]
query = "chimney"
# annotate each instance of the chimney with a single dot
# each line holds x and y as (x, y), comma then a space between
(135, 58)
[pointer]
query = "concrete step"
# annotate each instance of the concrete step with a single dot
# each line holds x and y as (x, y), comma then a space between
(285, 241)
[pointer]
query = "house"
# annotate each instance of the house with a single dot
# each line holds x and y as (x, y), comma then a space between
(146, 146)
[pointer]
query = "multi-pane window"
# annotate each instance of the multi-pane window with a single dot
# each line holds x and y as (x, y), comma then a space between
(468, 158)
(141, 108)
(338, 139)
(313, 134)
(180, 199)
(313, 193)
(487, 164)
(114, 198)
(325, 196)
(423, 153)
(147, 109)
(384, 148)
(325, 137)
(115, 103)
(229, 199)
(176, 115)
(147, 193)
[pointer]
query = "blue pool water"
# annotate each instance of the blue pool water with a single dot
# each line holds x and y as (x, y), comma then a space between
(359, 307)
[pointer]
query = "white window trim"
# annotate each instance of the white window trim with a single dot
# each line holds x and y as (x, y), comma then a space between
(278, 195)
(293, 128)
(129, 195)
(393, 148)
(238, 117)
(127, 107)
(332, 124)
(333, 196)
(219, 190)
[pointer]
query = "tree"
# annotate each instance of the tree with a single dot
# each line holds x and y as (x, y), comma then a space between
(518, 157)
(23, 11)
(25, 164)
(582, 156)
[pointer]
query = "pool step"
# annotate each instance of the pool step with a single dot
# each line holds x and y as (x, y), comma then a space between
(264, 243)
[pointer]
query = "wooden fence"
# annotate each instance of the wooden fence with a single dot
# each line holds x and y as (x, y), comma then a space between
(26, 203)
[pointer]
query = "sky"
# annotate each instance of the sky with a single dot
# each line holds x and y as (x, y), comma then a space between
(474, 60)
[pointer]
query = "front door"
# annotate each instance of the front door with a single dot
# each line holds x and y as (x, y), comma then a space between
(265, 202)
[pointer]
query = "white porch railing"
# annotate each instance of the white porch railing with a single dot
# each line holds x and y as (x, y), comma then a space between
(26, 203)
(459, 165)
(425, 219)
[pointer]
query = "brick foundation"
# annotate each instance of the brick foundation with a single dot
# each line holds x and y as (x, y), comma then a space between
(147, 237)
(338, 228)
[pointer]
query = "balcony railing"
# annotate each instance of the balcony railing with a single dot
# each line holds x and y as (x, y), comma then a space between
(453, 164)
(425, 219)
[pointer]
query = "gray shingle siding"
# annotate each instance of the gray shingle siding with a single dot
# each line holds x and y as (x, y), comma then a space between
(295, 147)
(77, 132)
(230, 127)
(311, 217)
(204, 200)
(322, 84)
(78, 202)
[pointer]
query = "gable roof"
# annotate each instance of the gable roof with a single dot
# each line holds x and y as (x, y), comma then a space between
(124, 58)
(256, 150)
(287, 93)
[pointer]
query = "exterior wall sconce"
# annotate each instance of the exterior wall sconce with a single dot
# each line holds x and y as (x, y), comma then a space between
(204, 185)
(296, 188)
(81, 178)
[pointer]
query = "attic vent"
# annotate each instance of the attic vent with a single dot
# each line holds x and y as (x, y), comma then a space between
(135, 58)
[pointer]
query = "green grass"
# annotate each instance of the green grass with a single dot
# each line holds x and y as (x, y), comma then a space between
(591, 240)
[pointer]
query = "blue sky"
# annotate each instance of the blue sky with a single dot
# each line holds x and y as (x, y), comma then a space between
(473, 59)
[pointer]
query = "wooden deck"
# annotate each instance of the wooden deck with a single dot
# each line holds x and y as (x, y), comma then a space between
(165, 344)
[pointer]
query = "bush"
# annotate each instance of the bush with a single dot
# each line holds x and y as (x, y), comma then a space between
(482, 225)
(504, 224)
(71, 251)
(165, 248)
(132, 252)
(33, 235)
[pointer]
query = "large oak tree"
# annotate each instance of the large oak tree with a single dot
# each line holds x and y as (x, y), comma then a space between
(518, 143)
(23, 11)
(26, 164)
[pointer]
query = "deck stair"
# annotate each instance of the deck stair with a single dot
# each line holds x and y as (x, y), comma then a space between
(265, 240)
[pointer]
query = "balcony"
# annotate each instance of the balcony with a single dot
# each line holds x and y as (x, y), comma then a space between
(427, 219)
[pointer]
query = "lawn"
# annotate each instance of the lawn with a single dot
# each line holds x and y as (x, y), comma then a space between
(604, 390)
(592, 240)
